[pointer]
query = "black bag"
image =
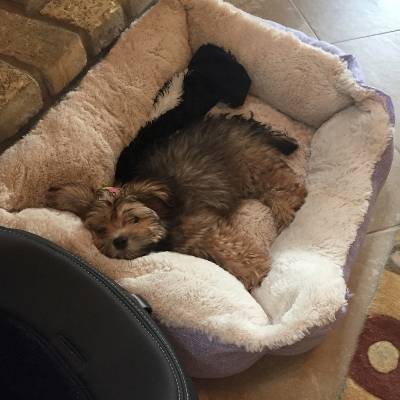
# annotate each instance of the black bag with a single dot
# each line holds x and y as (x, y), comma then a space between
(67, 332)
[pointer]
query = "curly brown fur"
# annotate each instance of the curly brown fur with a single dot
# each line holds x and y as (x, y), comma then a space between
(213, 237)
(185, 193)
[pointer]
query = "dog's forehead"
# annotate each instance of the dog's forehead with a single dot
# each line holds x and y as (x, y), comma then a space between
(130, 206)
(118, 206)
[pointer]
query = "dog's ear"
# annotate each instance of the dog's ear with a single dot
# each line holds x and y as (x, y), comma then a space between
(75, 198)
(155, 195)
(107, 195)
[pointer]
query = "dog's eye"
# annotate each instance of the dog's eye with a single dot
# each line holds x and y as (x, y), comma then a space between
(135, 220)
(100, 231)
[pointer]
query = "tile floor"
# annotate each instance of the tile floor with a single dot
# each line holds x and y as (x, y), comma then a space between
(369, 29)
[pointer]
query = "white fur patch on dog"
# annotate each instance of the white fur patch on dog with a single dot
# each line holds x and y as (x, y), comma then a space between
(170, 97)
(80, 139)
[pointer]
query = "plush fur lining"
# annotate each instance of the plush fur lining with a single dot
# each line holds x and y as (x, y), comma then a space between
(81, 138)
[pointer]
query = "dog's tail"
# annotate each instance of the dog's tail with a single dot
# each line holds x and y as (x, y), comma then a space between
(283, 143)
(276, 139)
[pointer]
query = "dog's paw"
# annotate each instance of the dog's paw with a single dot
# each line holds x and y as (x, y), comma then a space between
(75, 198)
(255, 267)
(283, 215)
(52, 197)
(253, 279)
(284, 208)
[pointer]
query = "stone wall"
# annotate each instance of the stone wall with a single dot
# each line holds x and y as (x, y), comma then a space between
(44, 44)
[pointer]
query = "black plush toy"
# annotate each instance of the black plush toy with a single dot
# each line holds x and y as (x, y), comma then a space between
(213, 76)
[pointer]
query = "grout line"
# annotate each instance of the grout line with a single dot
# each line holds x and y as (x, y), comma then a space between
(366, 36)
(393, 228)
(35, 15)
(304, 18)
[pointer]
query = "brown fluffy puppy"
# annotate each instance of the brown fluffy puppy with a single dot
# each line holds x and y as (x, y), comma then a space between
(185, 193)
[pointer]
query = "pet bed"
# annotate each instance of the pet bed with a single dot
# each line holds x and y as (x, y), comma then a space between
(306, 87)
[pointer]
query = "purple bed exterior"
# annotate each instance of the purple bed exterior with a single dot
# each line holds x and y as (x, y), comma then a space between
(208, 358)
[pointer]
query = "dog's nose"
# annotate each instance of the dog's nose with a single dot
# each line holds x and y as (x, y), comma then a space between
(120, 242)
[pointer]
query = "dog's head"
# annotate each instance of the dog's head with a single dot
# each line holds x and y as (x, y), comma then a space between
(125, 222)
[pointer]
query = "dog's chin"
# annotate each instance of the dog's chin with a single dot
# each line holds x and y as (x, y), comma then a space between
(130, 253)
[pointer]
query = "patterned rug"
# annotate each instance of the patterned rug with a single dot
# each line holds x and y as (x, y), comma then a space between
(375, 368)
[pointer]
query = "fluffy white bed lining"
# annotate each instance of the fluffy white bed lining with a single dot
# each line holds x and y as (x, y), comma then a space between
(81, 138)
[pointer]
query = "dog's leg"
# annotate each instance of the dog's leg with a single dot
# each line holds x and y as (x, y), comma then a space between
(237, 254)
(214, 238)
(284, 193)
(284, 202)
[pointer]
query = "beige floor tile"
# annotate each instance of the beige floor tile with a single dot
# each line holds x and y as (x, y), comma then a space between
(319, 374)
(379, 57)
(281, 11)
(339, 20)
(387, 209)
